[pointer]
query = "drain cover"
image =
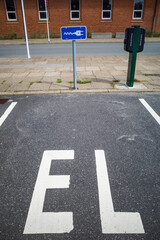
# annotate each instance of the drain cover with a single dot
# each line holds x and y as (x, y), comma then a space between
(2, 101)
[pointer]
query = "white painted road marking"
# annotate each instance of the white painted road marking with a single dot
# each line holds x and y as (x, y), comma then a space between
(7, 112)
(150, 110)
(39, 222)
(113, 222)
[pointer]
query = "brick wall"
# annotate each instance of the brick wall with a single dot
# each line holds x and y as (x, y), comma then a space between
(8, 26)
(90, 16)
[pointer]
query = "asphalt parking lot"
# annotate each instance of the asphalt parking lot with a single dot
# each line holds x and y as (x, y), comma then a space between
(80, 166)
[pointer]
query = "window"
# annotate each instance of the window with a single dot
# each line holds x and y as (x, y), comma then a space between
(138, 9)
(75, 9)
(10, 9)
(106, 9)
(42, 9)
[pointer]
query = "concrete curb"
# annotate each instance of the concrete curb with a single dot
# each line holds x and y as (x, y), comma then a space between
(77, 91)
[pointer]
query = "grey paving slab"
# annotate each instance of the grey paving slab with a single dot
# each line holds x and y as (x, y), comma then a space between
(5, 87)
(104, 85)
(19, 87)
(103, 67)
(143, 77)
(117, 73)
(122, 78)
(51, 74)
(39, 86)
(5, 75)
(50, 79)
(155, 78)
(22, 70)
(92, 68)
(62, 86)
(20, 75)
(13, 81)
(121, 68)
(5, 70)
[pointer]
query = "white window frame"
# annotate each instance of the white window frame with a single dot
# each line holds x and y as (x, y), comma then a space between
(44, 11)
(110, 11)
(71, 11)
(8, 19)
(138, 18)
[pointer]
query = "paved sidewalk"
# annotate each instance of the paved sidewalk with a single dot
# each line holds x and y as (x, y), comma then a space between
(42, 75)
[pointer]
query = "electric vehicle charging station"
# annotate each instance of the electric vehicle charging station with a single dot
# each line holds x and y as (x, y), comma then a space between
(133, 43)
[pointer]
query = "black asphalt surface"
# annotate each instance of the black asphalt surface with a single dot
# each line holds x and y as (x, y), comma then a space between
(116, 123)
(83, 49)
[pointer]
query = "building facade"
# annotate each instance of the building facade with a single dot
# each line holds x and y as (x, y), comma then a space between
(98, 15)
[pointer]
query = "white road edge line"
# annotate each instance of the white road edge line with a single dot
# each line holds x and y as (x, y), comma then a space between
(7, 112)
(150, 110)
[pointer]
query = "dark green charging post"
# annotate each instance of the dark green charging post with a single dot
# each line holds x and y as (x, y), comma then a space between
(133, 43)
(133, 57)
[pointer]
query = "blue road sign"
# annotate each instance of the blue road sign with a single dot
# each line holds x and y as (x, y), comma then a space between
(74, 33)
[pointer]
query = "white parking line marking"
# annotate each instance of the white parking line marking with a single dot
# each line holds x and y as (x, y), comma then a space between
(113, 222)
(39, 222)
(150, 110)
(7, 112)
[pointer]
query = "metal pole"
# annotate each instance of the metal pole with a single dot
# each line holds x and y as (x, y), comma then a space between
(133, 57)
(23, 25)
(47, 20)
(154, 20)
(74, 63)
(25, 29)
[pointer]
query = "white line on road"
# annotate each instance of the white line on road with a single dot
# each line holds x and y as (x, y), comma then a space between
(7, 112)
(150, 110)
(113, 222)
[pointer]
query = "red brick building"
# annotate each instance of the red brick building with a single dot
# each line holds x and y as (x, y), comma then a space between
(98, 15)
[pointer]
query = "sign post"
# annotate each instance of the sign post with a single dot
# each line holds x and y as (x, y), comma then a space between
(74, 33)
(46, 7)
(25, 29)
(74, 63)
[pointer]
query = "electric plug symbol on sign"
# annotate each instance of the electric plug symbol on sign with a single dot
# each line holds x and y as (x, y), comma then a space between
(77, 33)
